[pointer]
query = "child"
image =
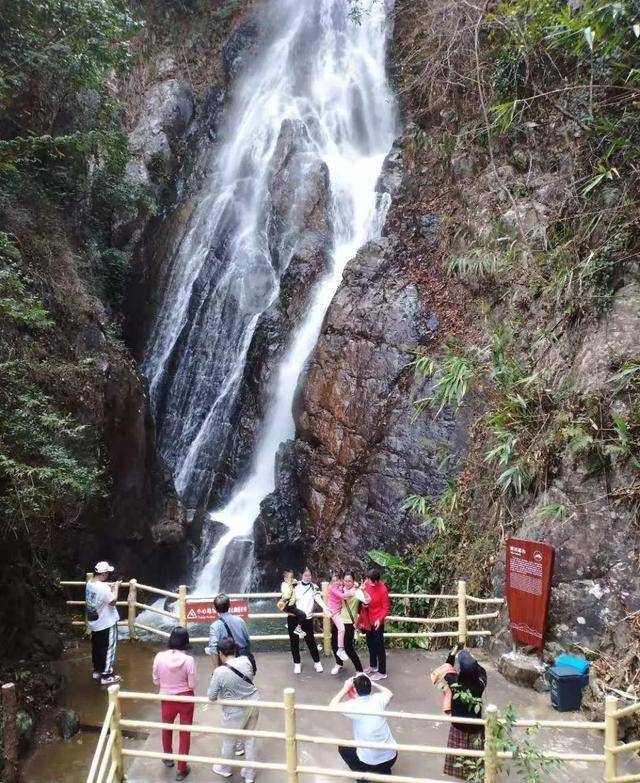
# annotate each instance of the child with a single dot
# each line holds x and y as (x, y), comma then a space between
(287, 602)
(337, 594)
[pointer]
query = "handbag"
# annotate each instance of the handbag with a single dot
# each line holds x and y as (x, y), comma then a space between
(363, 623)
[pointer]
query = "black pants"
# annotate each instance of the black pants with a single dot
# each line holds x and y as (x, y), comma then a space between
(350, 758)
(294, 639)
(293, 611)
(377, 654)
(103, 650)
(349, 635)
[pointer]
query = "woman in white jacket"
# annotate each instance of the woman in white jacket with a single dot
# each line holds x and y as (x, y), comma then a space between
(307, 595)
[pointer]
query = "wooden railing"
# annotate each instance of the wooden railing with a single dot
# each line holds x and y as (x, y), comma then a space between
(612, 751)
(459, 621)
(108, 762)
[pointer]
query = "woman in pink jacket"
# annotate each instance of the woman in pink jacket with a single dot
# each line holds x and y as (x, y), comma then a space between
(175, 673)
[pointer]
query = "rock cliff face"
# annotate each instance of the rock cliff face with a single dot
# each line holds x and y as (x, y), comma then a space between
(358, 453)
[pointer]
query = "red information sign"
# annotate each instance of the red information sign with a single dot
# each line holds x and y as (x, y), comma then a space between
(205, 612)
(529, 569)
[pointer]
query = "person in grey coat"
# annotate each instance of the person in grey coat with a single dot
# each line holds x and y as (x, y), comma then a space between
(233, 679)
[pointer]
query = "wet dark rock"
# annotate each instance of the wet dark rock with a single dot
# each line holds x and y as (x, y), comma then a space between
(143, 528)
(300, 236)
(67, 722)
(233, 575)
(391, 176)
(47, 642)
(357, 452)
(278, 532)
(239, 48)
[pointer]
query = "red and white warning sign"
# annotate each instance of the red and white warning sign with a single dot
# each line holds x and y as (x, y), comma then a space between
(205, 612)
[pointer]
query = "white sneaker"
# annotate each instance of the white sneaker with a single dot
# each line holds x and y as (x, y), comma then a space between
(318, 667)
(96, 676)
(336, 669)
(297, 668)
(239, 751)
(220, 771)
(299, 631)
(112, 679)
(342, 654)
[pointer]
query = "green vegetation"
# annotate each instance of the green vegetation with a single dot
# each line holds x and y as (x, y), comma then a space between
(48, 461)
(535, 92)
(528, 761)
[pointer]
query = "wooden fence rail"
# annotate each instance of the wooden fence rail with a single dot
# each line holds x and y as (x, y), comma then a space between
(178, 613)
(110, 748)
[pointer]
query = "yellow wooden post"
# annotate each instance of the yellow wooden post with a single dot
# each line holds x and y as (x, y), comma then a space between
(610, 738)
(182, 606)
(462, 611)
(290, 734)
(88, 577)
(491, 737)
(326, 621)
(116, 750)
(132, 597)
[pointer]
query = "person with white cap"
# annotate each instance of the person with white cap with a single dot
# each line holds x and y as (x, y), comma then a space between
(103, 620)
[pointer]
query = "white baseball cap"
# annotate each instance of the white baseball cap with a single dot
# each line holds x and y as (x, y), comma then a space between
(103, 567)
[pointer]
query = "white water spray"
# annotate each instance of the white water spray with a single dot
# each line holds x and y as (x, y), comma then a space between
(322, 69)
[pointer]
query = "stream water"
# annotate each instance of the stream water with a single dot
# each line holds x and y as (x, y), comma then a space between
(322, 69)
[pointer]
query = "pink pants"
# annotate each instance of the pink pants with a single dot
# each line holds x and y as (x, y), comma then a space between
(339, 624)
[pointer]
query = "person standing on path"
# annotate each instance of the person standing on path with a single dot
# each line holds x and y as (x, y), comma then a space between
(103, 618)
(377, 610)
(306, 595)
(467, 685)
(233, 679)
(174, 672)
(368, 726)
(228, 625)
(348, 614)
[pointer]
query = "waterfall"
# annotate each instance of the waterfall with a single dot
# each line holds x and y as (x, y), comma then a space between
(323, 70)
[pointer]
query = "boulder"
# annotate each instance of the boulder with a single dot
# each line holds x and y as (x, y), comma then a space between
(47, 642)
(391, 176)
(521, 669)
(528, 220)
(67, 722)
(167, 109)
(613, 339)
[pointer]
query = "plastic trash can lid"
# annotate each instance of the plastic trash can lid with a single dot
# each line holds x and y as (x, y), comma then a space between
(565, 672)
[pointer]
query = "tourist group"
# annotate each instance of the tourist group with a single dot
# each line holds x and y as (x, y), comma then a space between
(353, 608)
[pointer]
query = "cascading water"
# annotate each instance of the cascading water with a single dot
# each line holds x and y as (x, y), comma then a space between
(320, 68)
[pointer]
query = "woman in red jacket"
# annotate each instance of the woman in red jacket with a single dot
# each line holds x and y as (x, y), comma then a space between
(378, 609)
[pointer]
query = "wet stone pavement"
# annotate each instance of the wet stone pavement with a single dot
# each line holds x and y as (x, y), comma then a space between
(68, 762)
